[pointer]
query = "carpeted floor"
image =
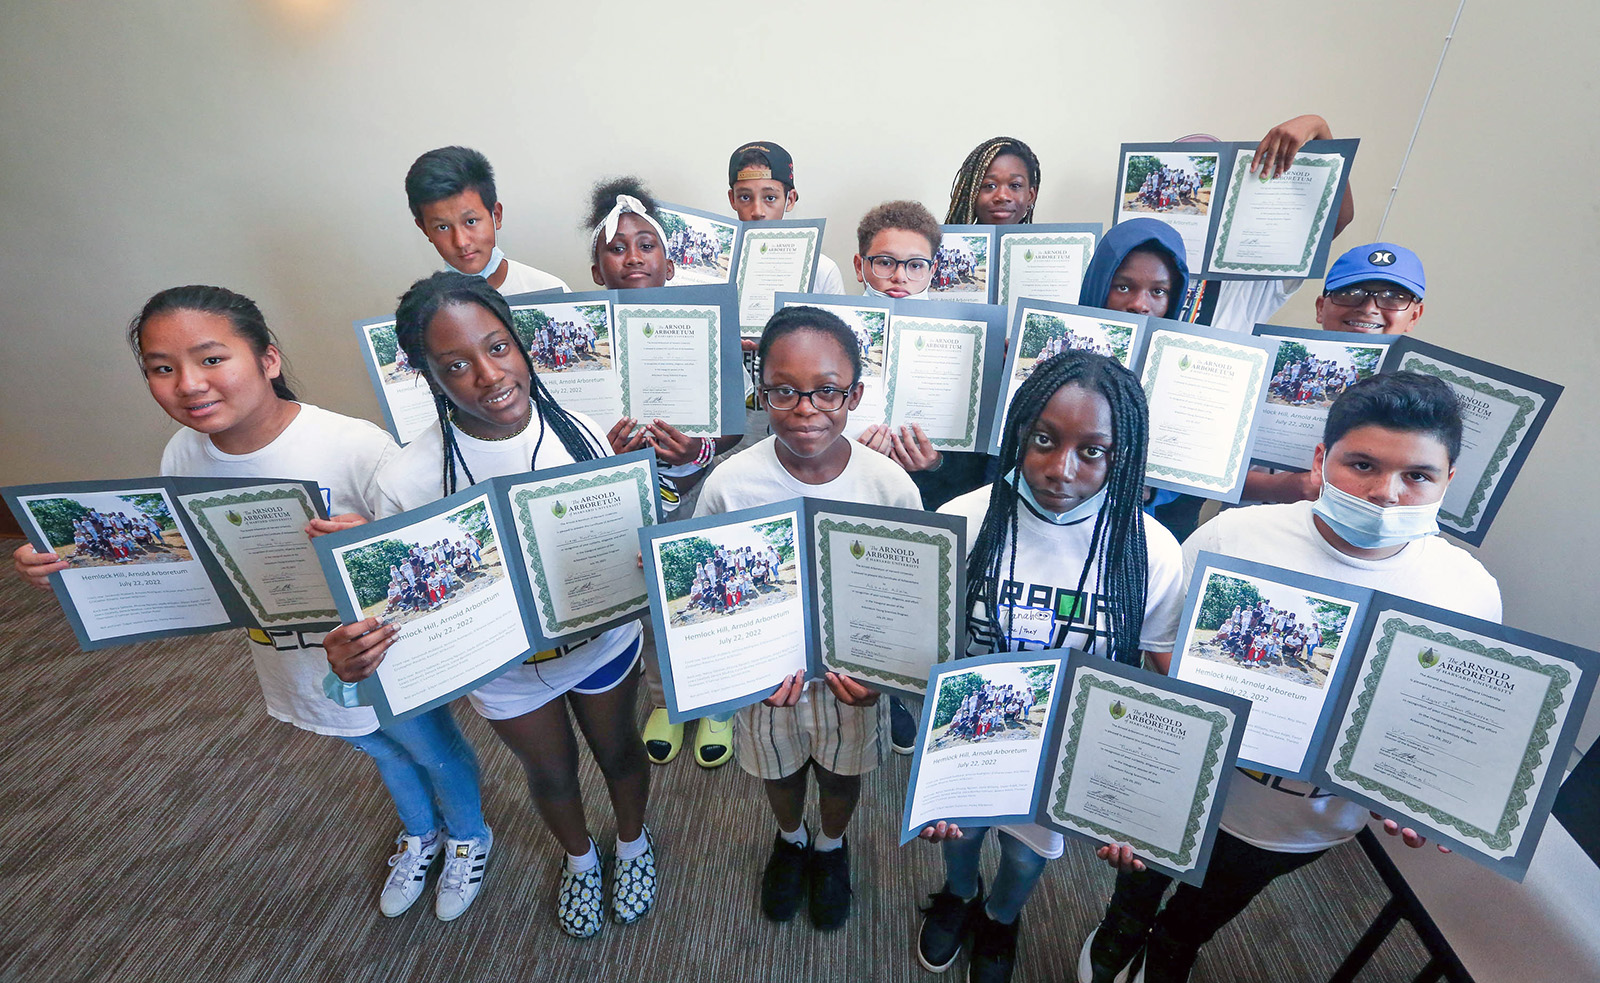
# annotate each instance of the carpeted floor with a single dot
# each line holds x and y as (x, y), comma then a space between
(161, 827)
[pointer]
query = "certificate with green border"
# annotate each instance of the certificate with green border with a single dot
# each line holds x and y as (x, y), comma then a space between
(887, 596)
(1205, 389)
(678, 357)
(258, 535)
(1503, 411)
(1144, 760)
(580, 538)
(1452, 726)
(773, 257)
(1273, 226)
(1043, 262)
(942, 369)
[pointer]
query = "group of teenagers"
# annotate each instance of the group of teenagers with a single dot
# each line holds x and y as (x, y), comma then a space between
(1261, 633)
(991, 706)
(430, 574)
(1169, 187)
(115, 536)
(558, 345)
(1312, 380)
(728, 579)
(1060, 516)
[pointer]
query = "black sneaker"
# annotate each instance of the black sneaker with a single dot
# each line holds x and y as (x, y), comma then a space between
(902, 727)
(783, 883)
(1108, 953)
(1165, 961)
(830, 887)
(945, 924)
(994, 949)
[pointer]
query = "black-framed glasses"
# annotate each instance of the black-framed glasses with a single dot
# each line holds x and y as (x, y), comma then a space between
(1389, 298)
(828, 399)
(884, 265)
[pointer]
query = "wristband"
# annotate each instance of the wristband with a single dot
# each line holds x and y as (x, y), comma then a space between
(708, 450)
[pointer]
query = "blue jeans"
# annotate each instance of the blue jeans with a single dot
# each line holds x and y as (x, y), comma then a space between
(1018, 872)
(431, 773)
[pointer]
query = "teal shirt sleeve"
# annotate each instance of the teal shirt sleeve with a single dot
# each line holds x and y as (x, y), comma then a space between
(339, 691)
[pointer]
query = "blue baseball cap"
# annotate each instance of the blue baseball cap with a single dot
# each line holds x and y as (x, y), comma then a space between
(1378, 261)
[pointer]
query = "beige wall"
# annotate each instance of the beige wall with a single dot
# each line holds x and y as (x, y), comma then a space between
(260, 144)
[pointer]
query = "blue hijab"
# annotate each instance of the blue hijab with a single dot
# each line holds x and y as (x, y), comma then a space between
(1115, 246)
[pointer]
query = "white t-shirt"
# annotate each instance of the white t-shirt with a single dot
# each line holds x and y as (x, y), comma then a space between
(1295, 817)
(413, 479)
(1243, 304)
(755, 476)
(829, 280)
(343, 456)
(1044, 602)
(524, 279)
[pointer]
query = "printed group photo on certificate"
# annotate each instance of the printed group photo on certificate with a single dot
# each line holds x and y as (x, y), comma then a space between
(744, 599)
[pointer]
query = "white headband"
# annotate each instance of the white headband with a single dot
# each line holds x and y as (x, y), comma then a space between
(625, 203)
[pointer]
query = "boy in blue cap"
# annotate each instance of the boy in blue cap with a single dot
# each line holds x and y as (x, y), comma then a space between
(1373, 289)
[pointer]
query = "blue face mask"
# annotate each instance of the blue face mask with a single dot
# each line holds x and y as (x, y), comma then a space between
(1083, 510)
(1370, 527)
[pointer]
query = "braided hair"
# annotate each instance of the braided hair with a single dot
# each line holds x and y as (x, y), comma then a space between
(1117, 547)
(240, 311)
(964, 189)
(417, 309)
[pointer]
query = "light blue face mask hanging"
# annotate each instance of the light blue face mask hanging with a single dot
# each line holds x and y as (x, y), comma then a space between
(1083, 510)
(496, 257)
(1370, 527)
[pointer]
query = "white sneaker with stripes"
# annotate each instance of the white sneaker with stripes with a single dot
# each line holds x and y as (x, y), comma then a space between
(464, 863)
(411, 863)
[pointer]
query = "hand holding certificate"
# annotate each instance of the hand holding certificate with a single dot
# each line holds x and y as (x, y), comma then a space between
(1087, 747)
(1267, 226)
(742, 601)
(492, 574)
(1444, 722)
(156, 557)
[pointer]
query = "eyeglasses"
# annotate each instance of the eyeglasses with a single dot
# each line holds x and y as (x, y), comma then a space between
(827, 399)
(885, 266)
(1388, 299)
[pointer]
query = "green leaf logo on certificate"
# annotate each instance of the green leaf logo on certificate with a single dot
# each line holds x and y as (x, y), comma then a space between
(1118, 710)
(235, 518)
(558, 510)
(857, 550)
(1428, 658)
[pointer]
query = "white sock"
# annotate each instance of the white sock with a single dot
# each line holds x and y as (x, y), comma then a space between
(825, 843)
(634, 848)
(589, 861)
(797, 837)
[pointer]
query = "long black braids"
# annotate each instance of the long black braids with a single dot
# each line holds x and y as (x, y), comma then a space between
(1117, 547)
(418, 307)
(964, 189)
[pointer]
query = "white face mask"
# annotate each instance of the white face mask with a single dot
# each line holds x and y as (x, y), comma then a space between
(1083, 510)
(1367, 526)
(496, 257)
(872, 291)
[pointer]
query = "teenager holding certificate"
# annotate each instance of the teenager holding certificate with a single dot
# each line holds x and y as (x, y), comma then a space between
(1061, 557)
(496, 418)
(810, 367)
(1387, 457)
(452, 197)
(1376, 288)
(213, 365)
(761, 189)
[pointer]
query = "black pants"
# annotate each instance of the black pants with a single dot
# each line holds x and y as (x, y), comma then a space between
(1237, 873)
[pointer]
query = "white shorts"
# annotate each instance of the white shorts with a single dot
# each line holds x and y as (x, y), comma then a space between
(531, 685)
(775, 742)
